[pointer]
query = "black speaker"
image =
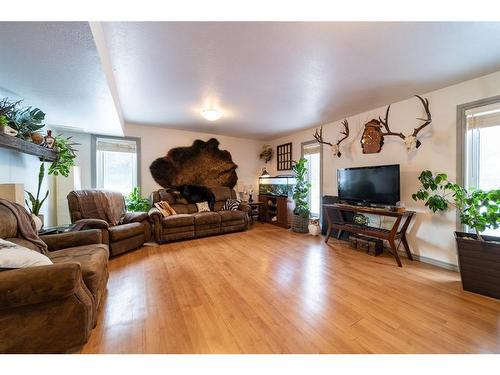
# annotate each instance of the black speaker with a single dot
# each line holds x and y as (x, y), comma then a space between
(329, 199)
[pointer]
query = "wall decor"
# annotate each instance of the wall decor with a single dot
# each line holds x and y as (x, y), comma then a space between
(202, 163)
(284, 156)
(266, 154)
(318, 135)
(372, 142)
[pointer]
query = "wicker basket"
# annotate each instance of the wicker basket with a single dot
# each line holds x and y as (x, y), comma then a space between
(300, 224)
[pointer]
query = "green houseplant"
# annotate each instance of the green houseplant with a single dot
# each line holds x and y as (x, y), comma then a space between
(66, 156)
(300, 192)
(35, 203)
(26, 121)
(478, 254)
(136, 203)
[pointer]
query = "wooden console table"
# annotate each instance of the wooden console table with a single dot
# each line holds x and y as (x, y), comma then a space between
(391, 235)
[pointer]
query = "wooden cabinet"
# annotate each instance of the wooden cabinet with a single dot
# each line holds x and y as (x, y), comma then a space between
(276, 210)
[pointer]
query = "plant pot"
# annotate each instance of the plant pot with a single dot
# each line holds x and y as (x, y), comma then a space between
(479, 263)
(38, 221)
(300, 224)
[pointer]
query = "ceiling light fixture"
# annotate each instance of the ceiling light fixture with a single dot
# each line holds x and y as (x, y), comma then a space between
(211, 114)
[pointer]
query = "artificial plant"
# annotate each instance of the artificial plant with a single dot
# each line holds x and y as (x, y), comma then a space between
(301, 188)
(66, 156)
(6, 109)
(26, 121)
(35, 203)
(478, 209)
(136, 203)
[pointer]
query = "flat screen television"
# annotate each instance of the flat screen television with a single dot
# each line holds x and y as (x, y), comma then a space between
(378, 185)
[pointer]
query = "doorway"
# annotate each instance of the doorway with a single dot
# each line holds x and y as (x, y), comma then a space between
(313, 153)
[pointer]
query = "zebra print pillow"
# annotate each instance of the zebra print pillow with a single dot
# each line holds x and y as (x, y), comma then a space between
(231, 205)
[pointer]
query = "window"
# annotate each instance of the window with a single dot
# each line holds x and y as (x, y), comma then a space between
(311, 151)
(115, 163)
(482, 149)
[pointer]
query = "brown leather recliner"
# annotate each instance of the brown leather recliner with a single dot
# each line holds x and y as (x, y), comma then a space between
(105, 210)
(52, 309)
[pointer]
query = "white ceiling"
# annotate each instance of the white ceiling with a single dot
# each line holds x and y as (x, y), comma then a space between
(55, 66)
(274, 78)
(268, 78)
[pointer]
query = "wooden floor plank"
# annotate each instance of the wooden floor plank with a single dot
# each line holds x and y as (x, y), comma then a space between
(268, 290)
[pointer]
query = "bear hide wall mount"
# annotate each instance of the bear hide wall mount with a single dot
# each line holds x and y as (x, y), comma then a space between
(202, 163)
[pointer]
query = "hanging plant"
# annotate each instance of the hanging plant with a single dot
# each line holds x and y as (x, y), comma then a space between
(66, 156)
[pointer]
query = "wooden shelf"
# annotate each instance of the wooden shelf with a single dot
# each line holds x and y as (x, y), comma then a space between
(18, 144)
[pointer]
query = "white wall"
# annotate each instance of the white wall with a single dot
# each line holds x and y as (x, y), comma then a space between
(19, 168)
(430, 236)
(157, 141)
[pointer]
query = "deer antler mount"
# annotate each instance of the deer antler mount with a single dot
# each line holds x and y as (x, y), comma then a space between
(375, 131)
(318, 135)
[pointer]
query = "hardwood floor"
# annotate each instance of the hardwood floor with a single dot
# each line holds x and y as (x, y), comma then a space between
(269, 290)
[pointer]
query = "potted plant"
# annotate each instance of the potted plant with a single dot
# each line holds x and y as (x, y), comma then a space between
(6, 109)
(26, 121)
(66, 155)
(300, 220)
(35, 203)
(136, 203)
(478, 254)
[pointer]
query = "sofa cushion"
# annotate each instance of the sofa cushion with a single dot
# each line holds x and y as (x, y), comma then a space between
(185, 208)
(22, 242)
(207, 218)
(121, 232)
(179, 220)
(223, 193)
(231, 215)
(231, 205)
(93, 260)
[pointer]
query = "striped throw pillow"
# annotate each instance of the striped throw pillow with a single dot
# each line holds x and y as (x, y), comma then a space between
(231, 205)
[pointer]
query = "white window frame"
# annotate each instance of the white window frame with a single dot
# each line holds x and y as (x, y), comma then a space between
(302, 147)
(468, 177)
(94, 157)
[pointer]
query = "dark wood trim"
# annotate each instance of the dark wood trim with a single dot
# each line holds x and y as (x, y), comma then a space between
(20, 145)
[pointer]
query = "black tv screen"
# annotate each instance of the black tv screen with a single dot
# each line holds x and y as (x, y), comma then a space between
(369, 185)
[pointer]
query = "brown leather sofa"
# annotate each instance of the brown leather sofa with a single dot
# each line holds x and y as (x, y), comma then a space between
(52, 309)
(189, 223)
(105, 210)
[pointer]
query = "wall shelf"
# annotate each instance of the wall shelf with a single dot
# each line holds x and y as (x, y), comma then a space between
(18, 144)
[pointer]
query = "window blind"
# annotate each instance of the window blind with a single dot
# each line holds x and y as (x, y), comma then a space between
(313, 148)
(116, 145)
(483, 117)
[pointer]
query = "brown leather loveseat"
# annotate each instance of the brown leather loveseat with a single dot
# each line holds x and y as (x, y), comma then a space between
(53, 308)
(105, 210)
(189, 223)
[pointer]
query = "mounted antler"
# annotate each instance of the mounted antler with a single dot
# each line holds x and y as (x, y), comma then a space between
(410, 141)
(427, 121)
(334, 147)
(385, 123)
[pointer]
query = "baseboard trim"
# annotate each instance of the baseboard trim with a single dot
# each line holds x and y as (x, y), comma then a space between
(434, 262)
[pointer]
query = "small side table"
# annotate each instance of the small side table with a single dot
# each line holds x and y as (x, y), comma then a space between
(55, 230)
(256, 211)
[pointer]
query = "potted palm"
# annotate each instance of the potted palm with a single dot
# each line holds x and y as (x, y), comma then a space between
(300, 219)
(478, 254)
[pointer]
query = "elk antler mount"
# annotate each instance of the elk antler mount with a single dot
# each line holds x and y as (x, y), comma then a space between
(411, 141)
(318, 135)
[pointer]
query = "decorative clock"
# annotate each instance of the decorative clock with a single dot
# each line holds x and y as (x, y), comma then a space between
(372, 139)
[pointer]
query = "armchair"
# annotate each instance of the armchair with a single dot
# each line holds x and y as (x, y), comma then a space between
(53, 308)
(105, 210)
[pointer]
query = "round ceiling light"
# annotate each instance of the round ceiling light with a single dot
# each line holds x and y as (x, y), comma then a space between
(211, 114)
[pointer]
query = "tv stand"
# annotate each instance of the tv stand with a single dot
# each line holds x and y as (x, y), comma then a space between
(390, 235)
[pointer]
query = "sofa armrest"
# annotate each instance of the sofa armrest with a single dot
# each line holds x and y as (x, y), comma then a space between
(89, 224)
(134, 217)
(155, 214)
(245, 207)
(33, 285)
(72, 239)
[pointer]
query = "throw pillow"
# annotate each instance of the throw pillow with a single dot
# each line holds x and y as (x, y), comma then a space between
(231, 205)
(15, 256)
(165, 208)
(203, 207)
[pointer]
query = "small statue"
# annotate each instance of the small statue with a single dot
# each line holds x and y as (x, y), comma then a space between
(314, 227)
(50, 142)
